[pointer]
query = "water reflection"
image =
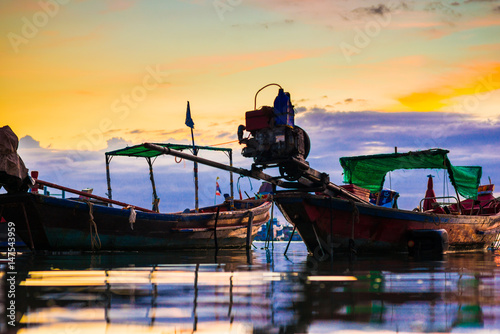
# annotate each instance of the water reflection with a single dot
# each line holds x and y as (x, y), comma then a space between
(189, 292)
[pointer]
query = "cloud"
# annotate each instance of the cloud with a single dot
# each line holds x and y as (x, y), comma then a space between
(473, 81)
(443, 8)
(357, 133)
(224, 134)
(337, 134)
(117, 143)
(350, 101)
(380, 9)
(28, 142)
(332, 134)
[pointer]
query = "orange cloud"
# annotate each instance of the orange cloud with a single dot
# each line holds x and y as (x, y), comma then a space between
(473, 81)
(424, 101)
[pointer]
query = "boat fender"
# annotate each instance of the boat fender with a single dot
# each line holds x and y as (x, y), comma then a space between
(422, 243)
(132, 216)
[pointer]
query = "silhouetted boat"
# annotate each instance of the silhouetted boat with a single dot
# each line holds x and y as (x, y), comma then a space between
(49, 223)
(328, 224)
(89, 223)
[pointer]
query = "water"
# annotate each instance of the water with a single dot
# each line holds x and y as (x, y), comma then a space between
(259, 292)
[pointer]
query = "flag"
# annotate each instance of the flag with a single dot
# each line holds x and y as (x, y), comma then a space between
(189, 120)
(217, 188)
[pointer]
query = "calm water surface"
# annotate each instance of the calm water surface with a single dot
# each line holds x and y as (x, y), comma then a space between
(259, 292)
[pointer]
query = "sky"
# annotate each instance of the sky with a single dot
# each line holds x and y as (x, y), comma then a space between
(82, 77)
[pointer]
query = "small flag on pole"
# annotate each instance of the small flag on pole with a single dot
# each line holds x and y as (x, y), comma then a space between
(189, 120)
(217, 188)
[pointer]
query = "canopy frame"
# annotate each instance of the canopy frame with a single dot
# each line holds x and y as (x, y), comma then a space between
(140, 151)
(369, 171)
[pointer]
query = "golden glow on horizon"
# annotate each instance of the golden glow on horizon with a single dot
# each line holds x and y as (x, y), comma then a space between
(476, 86)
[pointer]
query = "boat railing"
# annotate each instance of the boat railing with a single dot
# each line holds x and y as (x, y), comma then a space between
(444, 205)
(86, 195)
(46, 192)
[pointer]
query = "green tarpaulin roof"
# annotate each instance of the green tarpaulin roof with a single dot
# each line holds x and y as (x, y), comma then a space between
(368, 171)
(141, 151)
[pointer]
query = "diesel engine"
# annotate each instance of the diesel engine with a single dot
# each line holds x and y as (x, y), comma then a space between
(274, 139)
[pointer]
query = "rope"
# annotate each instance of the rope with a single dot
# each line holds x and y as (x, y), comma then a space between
(238, 184)
(270, 228)
(95, 241)
(434, 215)
(156, 204)
(228, 142)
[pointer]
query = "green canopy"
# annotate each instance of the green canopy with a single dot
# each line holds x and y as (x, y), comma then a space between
(368, 171)
(141, 151)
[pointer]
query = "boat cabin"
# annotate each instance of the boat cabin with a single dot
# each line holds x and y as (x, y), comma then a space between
(365, 176)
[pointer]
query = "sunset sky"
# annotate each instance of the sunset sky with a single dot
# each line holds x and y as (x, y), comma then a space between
(79, 77)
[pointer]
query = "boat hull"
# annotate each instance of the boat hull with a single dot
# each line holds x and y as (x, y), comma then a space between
(328, 224)
(53, 224)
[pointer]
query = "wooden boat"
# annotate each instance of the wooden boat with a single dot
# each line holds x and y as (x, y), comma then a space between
(89, 223)
(55, 224)
(329, 224)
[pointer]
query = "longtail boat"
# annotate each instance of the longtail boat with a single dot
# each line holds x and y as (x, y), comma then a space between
(89, 223)
(332, 218)
(55, 224)
(330, 224)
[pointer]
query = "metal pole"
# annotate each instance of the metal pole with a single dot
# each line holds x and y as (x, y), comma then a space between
(249, 229)
(231, 178)
(459, 203)
(270, 228)
(156, 200)
(215, 230)
(195, 170)
(289, 241)
(108, 176)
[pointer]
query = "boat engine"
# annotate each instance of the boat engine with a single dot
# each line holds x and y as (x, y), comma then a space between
(274, 139)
